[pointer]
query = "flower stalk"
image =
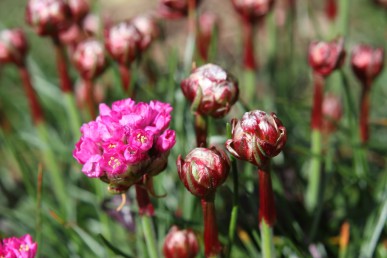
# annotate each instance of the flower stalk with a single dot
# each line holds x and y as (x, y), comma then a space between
(212, 246)
(201, 128)
(125, 79)
(364, 112)
(249, 61)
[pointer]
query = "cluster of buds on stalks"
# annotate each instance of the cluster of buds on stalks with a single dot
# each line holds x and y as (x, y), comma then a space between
(127, 144)
(251, 12)
(212, 92)
(257, 138)
(90, 61)
(126, 40)
(324, 58)
(202, 172)
(367, 63)
(180, 244)
(13, 50)
(23, 247)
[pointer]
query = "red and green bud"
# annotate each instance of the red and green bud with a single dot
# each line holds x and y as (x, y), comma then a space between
(48, 17)
(203, 170)
(180, 244)
(13, 46)
(174, 9)
(367, 62)
(122, 41)
(257, 137)
(332, 112)
(325, 57)
(89, 59)
(79, 9)
(252, 10)
(148, 29)
(211, 90)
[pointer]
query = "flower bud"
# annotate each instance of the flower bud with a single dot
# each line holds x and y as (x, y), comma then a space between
(79, 9)
(325, 57)
(332, 112)
(382, 3)
(257, 137)
(203, 170)
(208, 24)
(13, 46)
(91, 24)
(174, 9)
(252, 10)
(211, 90)
(18, 247)
(367, 62)
(148, 29)
(180, 244)
(48, 17)
(89, 59)
(122, 41)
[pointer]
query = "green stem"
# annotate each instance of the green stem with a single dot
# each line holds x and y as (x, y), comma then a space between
(55, 173)
(234, 211)
(267, 244)
(314, 175)
(73, 113)
(147, 227)
(343, 19)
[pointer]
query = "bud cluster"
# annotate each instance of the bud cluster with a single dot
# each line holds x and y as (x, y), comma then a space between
(180, 243)
(13, 46)
(203, 170)
(257, 137)
(125, 142)
(211, 90)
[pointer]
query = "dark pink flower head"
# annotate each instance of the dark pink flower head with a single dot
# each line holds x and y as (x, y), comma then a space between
(122, 41)
(23, 247)
(48, 17)
(13, 46)
(79, 9)
(332, 111)
(125, 142)
(148, 29)
(89, 58)
(180, 244)
(203, 170)
(174, 9)
(252, 10)
(211, 90)
(257, 137)
(325, 57)
(208, 24)
(367, 62)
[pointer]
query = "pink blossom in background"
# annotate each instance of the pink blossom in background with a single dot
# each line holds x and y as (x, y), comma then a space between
(126, 141)
(23, 247)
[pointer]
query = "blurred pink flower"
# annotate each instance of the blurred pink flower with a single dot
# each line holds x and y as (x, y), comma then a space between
(23, 247)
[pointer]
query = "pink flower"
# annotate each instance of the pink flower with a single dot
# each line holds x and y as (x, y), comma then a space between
(23, 247)
(125, 142)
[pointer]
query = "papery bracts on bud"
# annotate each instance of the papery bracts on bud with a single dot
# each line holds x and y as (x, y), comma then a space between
(257, 137)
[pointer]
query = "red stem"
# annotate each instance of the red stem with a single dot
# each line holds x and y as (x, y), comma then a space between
(364, 112)
(90, 97)
(144, 204)
(125, 78)
(200, 130)
(35, 108)
(316, 119)
(212, 246)
(61, 62)
(248, 50)
(267, 210)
